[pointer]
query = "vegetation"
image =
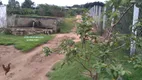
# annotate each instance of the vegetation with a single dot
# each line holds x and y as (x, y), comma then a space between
(50, 10)
(74, 71)
(24, 43)
(12, 4)
(108, 59)
(47, 51)
(88, 5)
(67, 72)
(28, 4)
(66, 25)
(92, 59)
(28, 8)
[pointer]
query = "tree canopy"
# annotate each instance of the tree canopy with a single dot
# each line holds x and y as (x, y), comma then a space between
(27, 4)
(13, 4)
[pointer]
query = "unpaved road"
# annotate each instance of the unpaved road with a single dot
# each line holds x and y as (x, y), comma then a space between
(32, 65)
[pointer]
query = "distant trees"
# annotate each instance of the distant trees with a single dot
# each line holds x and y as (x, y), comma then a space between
(13, 7)
(50, 10)
(13, 4)
(88, 5)
(27, 4)
(28, 8)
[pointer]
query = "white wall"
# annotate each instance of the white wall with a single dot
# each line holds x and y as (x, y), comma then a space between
(3, 16)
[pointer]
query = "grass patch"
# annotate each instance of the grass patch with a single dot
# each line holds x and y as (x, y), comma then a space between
(74, 71)
(24, 43)
(67, 72)
(66, 25)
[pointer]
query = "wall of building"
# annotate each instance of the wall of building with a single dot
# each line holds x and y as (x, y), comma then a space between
(36, 22)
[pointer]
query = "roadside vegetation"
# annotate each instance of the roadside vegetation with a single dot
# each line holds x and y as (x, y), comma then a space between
(75, 71)
(67, 25)
(24, 43)
(97, 58)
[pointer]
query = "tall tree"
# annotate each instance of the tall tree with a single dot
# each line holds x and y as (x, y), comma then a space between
(17, 4)
(13, 4)
(27, 4)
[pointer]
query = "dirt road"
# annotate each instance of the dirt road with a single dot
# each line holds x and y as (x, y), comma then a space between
(32, 65)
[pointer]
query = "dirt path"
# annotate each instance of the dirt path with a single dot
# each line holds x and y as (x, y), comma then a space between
(32, 65)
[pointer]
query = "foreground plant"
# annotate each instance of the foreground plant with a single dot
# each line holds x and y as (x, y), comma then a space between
(47, 51)
(94, 56)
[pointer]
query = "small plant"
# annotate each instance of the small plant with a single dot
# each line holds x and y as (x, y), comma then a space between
(136, 60)
(95, 57)
(47, 51)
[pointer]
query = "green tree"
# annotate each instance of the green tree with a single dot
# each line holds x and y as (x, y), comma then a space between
(43, 10)
(50, 10)
(95, 57)
(103, 59)
(17, 4)
(13, 4)
(13, 7)
(27, 4)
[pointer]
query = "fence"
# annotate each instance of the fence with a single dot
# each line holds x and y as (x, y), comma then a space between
(3, 16)
(97, 11)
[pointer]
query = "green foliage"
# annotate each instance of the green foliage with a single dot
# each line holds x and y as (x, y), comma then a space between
(120, 7)
(47, 51)
(136, 60)
(77, 72)
(13, 4)
(67, 72)
(96, 57)
(66, 25)
(50, 10)
(21, 43)
(27, 4)
(27, 11)
(13, 7)
(22, 11)
(104, 59)
(41, 10)
(73, 12)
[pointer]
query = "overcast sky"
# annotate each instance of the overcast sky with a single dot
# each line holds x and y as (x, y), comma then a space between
(58, 2)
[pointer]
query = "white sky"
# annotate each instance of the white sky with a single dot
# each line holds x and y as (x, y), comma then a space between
(58, 2)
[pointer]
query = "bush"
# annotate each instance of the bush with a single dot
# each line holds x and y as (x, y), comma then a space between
(66, 25)
(47, 51)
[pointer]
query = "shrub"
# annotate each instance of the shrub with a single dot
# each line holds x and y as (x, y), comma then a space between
(47, 51)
